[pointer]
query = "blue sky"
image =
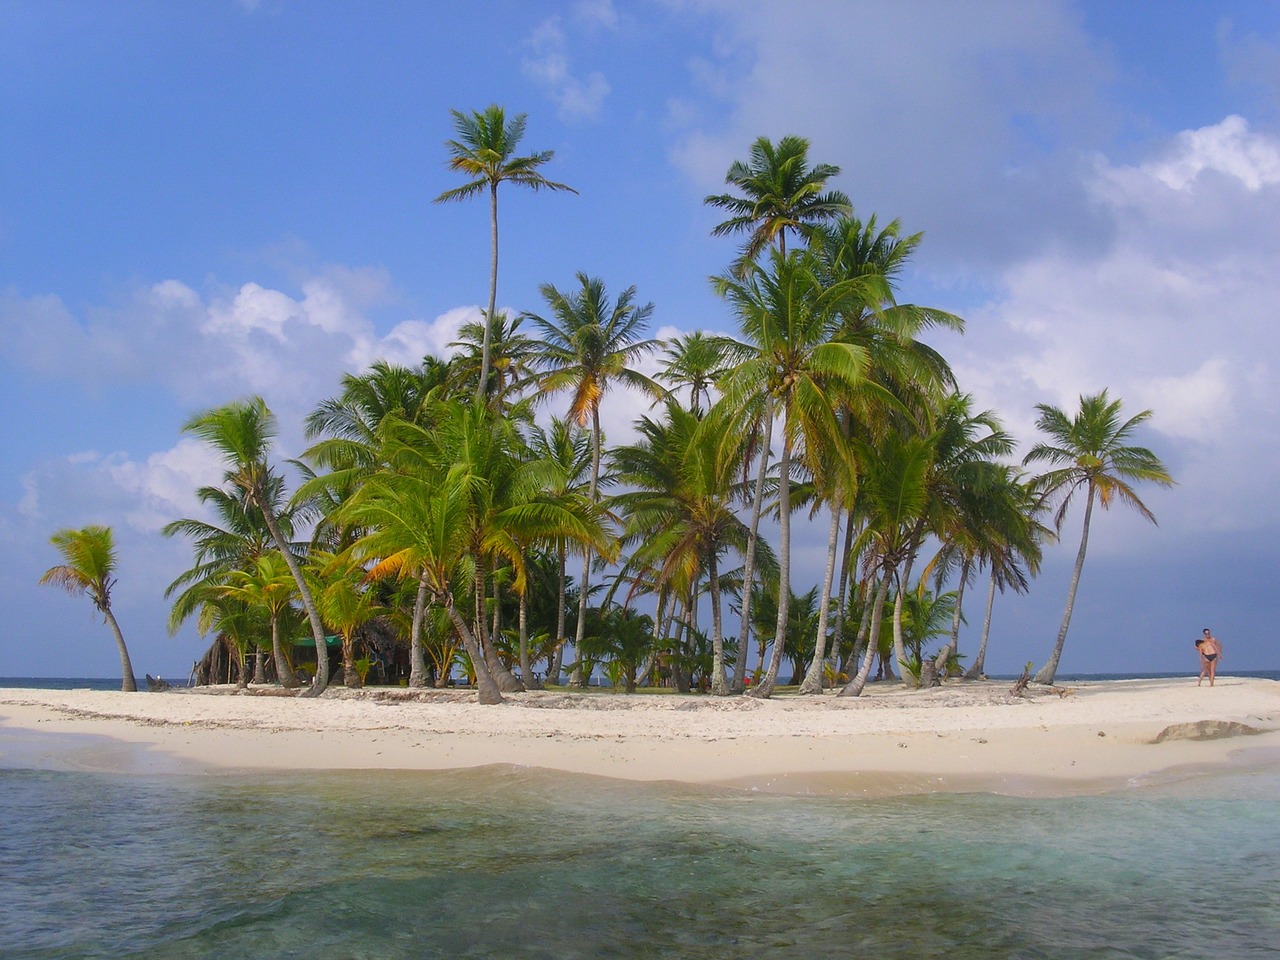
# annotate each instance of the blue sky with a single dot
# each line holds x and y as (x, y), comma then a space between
(204, 200)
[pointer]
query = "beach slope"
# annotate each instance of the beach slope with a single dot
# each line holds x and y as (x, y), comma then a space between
(1074, 738)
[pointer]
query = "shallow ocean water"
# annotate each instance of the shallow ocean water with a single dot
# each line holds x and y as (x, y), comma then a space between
(518, 863)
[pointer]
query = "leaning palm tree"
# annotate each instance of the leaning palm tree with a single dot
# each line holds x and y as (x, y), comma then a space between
(590, 346)
(780, 192)
(242, 431)
(89, 557)
(1091, 452)
(485, 151)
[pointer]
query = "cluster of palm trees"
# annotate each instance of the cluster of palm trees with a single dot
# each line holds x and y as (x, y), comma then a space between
(442, 507)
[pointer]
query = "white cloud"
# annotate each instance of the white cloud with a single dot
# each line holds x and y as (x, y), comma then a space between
(1227, 148)
(576, 98)
(1177, 313)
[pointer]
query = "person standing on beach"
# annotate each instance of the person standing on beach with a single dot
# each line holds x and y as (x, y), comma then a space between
(1210, 653)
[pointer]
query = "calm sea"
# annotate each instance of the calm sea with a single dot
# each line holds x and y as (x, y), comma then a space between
(517, 863)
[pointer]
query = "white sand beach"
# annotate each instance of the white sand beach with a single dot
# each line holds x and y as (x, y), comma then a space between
(1077, 738)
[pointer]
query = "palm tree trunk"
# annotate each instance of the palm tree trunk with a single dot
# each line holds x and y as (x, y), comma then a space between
(283, 671)
(749, 561)
(557, 657)
(417, 662)
(770, 679)
(899, 648)
(813, 678)
(719, 682)
(1048, 671)
(526, 668)
(980, 662)
(506, 680)
(350, 675)
(128, 684)
(578, 680)
(260, 666)
(486, 689)
(483, 386)
(308, 604)
(959, 612)
(843, 594)
(864, 624)
(859, 682)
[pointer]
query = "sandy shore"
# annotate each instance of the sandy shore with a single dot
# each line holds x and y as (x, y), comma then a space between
(1083, 738)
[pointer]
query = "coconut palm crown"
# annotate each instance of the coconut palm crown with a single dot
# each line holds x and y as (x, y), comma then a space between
(779, 192)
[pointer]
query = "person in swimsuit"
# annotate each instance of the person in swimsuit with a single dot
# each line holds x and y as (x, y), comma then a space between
(1210, 653)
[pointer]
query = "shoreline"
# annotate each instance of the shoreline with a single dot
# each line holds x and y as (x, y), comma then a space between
(1084, 738)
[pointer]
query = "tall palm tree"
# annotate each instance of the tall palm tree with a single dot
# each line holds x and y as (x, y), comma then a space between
(779, 191)
(788, 316)
(242, 431)
(1091, 452)
(88, 567)
(910, 372)
(965, 446)
(590, 346)
(485, 151)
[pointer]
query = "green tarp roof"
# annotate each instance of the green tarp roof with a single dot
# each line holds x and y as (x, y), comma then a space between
(329, 641)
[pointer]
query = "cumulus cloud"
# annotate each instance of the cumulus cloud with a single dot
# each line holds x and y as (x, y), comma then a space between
(575, 97)
(1176, 314)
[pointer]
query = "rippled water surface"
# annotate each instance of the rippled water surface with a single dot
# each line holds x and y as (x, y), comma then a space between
(521, 864)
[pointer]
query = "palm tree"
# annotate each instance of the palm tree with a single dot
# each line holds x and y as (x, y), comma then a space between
(907, 370)
(1091, 452)
(268, 585)
(346, 602)
(695, 362)
(780, 192)
(417, 526)
(512, 356)
(592, 345)
(679, 510)
(1009, 545)
(788, 316)
(964, 447)
(893, 494)
(242, 432)
(567, 446)
(485, 152)
(89, 557)
(237, 539)
(238, 623)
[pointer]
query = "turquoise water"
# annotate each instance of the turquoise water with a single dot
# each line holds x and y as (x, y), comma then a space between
(504, 863)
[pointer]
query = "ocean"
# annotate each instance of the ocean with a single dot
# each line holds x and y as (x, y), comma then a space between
(506, 862)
